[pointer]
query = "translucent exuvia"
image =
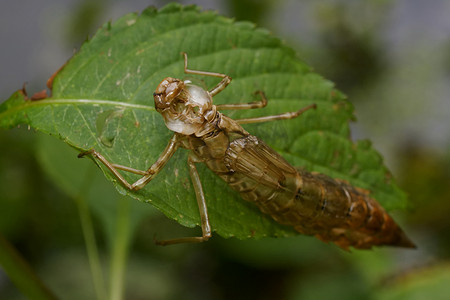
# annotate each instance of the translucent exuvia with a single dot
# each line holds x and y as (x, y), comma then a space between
(313, 204)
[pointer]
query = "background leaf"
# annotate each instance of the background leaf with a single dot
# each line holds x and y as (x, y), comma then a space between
(102, 99)
(428, 281)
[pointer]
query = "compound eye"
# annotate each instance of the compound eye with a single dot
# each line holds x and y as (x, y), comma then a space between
(160, 103)
(173, 89)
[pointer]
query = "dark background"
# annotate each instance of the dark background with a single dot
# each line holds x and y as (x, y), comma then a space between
(392, 58)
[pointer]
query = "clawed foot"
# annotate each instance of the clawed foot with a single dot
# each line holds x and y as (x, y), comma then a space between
(84, 153)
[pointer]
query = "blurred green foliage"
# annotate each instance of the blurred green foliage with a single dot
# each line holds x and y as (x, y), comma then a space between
(251, 10)
(85, 18)
(28, 198)
(426, 174)
(352, 56)
(38, 215)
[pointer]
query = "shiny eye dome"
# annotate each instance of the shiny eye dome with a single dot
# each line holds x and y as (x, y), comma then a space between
(198, 97)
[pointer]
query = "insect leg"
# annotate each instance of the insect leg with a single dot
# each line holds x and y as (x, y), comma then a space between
(128, 169)
(288, 115)
(206, 228)
(257, 104)
(219, 87)
(147, 175)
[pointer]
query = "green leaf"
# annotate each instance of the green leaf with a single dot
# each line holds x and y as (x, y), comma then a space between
(102, 99)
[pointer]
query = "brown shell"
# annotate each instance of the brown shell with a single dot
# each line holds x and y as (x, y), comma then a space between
(314, 204)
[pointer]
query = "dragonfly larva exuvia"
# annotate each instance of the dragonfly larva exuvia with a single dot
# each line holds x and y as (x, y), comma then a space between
(314, 204)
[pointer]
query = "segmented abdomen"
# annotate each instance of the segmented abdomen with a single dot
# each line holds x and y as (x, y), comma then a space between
(314, 204)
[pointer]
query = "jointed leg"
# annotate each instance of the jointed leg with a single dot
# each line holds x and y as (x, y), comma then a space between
(206, 228)
(257, 104)
(284, 116)
(147, 175)
(219, 87)
(153, 171)
(260, 104)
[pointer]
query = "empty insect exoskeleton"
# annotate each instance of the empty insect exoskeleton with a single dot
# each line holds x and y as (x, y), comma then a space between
(314, 204)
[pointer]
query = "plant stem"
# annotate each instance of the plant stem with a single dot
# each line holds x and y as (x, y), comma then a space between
(91, 248)
(21, 273)
(120, 249)
(90, 241)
